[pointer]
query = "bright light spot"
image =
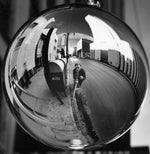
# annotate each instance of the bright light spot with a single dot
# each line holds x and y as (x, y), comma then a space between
(77, 144)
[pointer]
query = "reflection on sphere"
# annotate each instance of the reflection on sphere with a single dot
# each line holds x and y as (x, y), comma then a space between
(75, 77)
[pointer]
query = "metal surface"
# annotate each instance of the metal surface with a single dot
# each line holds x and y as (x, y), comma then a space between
(99, 101)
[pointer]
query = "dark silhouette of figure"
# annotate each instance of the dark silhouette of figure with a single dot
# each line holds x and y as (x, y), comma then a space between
(79, 75)
(26, 77)
(62, 53)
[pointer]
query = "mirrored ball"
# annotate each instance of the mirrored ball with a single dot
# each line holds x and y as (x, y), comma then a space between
(75, 77)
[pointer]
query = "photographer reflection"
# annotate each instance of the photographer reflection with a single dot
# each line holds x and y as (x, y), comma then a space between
(79, 75)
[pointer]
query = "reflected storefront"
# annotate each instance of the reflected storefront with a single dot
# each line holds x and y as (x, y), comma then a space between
(76, 77)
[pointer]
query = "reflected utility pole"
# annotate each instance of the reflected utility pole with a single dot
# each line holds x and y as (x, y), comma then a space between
(67, 51)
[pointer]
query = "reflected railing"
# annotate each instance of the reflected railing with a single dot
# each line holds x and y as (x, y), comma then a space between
(32, 109)
(35, 102)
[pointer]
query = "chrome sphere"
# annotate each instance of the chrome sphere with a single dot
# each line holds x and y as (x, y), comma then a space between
(75, 77)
